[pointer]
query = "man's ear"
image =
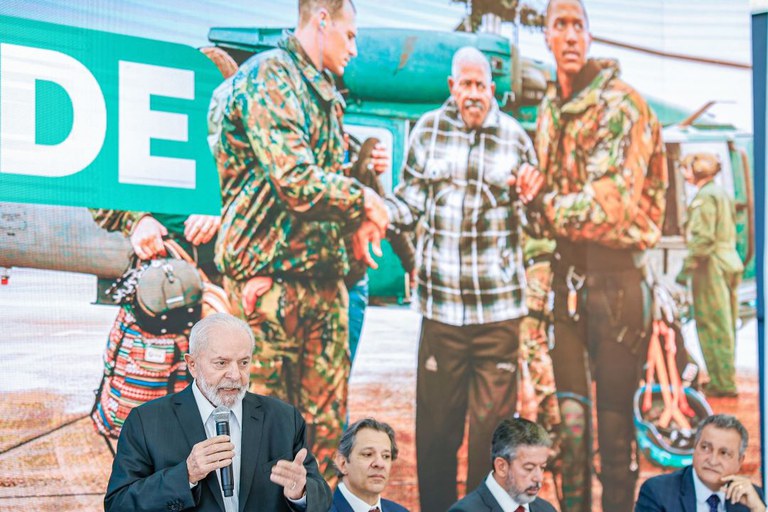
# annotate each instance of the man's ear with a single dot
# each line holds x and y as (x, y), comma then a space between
(323, 18)
(493, 87)
(500, 466)
(546, 40)
(191, 368)
(451, 83)
(341, 463)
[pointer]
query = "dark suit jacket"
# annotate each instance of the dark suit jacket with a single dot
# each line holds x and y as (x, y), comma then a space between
(675, 492)
(150, 468)
(340, 504)
(481, 500)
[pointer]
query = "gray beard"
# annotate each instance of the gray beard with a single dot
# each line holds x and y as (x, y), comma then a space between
(523, 498)
(212, 394)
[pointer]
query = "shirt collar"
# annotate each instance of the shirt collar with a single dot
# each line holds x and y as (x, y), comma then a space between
(503, 498)
(206, 408)
(587, 87)
(322, 81)
(703, 492)
(356, 503)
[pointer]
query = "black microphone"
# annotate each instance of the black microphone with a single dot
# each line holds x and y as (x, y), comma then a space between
(221, 417)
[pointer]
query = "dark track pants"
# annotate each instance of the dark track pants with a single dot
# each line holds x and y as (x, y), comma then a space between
(607, 343)
(462, 369)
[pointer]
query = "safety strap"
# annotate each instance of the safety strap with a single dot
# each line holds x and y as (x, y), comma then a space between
(676, 405)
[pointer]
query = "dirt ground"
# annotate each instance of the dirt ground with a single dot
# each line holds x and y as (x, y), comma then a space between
(51, 459)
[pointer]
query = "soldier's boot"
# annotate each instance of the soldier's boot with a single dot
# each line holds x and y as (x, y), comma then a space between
(576, 455)
(618, 468)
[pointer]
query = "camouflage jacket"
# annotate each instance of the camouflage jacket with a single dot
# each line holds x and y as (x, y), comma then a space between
(469, 259)
(280, 155)
(117, 220)
(711, 231)
(604, 162)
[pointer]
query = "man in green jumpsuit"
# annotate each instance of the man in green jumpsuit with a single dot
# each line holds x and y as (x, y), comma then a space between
(715, 269)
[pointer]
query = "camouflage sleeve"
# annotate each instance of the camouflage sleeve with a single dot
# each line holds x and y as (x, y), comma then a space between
(275, 119)
(702, 222)
(614, 172)
(409, 200)
(216, 112)
(117, 220)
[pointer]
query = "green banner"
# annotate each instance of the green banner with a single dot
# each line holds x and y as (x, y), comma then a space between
(90, 118)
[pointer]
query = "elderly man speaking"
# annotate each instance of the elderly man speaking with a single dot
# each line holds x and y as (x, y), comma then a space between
(168, 455)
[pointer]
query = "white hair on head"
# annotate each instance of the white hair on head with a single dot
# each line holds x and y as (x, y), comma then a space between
(469, 55)
(204, 330)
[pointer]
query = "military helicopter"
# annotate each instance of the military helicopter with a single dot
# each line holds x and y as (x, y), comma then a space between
(390, 62)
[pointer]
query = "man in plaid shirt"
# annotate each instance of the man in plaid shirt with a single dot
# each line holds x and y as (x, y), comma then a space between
(461, 160)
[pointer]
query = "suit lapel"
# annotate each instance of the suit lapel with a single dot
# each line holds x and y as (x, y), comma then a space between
(488, 499)
(188, 416)
(734, 507)
(687, 490)
(250, 444)
(341, 503)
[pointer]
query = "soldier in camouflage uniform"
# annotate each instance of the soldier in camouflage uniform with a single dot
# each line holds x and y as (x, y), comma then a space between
(715, 269)
(600, 150)
(287, 206)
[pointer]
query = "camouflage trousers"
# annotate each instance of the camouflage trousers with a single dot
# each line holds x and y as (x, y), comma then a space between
(301, 356)
(537, 400)
(715, 308)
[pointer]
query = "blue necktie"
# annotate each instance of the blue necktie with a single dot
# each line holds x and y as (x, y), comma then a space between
(713, 502)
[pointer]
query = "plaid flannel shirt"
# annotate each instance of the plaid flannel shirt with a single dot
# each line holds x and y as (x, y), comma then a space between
(469, 259)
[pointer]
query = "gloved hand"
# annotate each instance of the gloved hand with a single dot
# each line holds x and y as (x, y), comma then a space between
(664, 306)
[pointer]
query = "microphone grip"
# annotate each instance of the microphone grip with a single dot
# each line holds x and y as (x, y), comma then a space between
(227, 479)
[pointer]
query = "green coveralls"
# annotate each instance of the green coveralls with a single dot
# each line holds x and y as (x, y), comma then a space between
(715, 269)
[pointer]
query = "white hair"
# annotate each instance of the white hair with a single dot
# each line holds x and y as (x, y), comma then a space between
(469, 55)
(204, 330)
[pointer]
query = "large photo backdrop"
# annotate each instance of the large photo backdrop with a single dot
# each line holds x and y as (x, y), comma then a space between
(66, 222)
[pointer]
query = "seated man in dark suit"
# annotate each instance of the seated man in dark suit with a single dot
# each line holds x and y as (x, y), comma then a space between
(519, 453)
(712, 483)
(363, 461)
(168, 453)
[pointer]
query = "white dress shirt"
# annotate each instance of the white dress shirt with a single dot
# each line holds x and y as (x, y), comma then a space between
(206, 409)
(356, 503)
(703, 492)
(501, 496)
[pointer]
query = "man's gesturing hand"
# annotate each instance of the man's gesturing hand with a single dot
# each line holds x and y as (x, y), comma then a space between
(291, 475)
(367, 233)
(375, 211)
(200, 229)
(255, 288)
(380, 158)
(739, 489)
(147, 238)
(528, 182)
(209, 455)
